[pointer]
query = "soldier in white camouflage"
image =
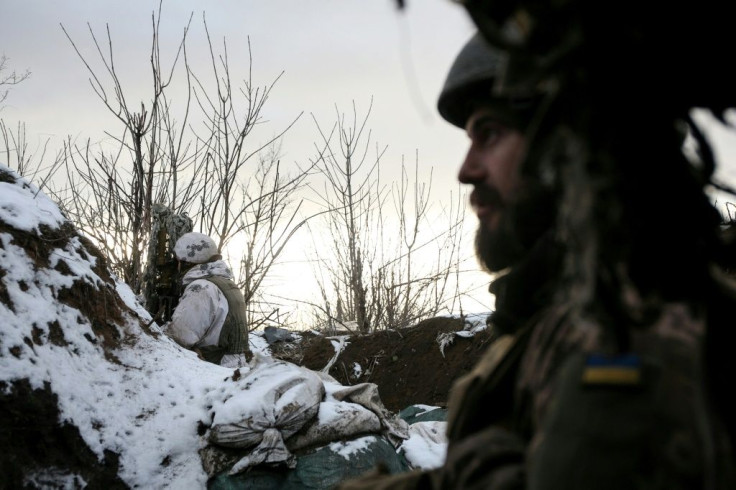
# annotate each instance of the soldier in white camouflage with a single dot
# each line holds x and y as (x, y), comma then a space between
(210, 317)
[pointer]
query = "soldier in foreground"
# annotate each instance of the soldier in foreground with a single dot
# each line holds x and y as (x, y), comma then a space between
(611, 370)
(210, 317)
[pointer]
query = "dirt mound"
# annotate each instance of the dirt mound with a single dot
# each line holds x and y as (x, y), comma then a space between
(40, 451)
(38, 447)
(407, 365)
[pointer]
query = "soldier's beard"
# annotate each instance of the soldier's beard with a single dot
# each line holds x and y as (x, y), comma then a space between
(496, 249)
(519, 227)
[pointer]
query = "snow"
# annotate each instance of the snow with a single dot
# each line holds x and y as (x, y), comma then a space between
(473, 324)
(424, 408)
(426, 447)
(350, 448)
(265, 390)
(331, 411)
(445, 339)
(54, 478)
(130, 300)
(258, 343)
(147, 405)
(357, 370)
(338, 343)
(32, 295)
(24, 207)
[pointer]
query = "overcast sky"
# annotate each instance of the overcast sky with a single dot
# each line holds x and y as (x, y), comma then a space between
(332, 52)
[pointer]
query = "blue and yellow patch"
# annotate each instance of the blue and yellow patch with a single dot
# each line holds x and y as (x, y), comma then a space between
(623, 370)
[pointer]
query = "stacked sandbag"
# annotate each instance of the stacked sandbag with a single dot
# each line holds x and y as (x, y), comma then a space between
(285, 423)
(263, 408)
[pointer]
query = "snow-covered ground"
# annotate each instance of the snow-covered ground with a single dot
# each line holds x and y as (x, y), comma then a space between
(145, 407)
(131, 391)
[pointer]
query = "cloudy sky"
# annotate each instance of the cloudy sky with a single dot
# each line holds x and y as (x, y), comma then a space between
(332, 53)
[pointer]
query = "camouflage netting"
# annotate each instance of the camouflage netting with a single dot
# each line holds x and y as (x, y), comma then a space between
(161, 281)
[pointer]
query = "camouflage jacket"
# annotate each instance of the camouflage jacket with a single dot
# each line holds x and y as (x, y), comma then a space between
(550, 408)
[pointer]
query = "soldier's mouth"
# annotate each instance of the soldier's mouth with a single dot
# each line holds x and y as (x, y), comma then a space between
(486, 202)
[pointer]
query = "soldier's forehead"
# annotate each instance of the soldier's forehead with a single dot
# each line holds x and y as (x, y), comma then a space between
(481, 112)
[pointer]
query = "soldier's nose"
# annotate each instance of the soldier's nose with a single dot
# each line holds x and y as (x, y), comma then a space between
(471, 170)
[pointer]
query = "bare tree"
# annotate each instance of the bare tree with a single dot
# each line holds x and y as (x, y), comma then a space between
(350, 192)
(142, 167)
(418, 276)
(9, 78)
(270, 218)
(193, 155)
(32, 163)
(379, 272)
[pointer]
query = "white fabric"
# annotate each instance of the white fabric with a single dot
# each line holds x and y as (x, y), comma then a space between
(336, 421)
(195, 248)
(275, 407)
(426, 447)
(366, 395)
(234, 361)
(270, 450)
(272, 402)
(200, 314)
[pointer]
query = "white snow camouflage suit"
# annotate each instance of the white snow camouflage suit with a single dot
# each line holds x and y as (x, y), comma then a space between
(202, 311)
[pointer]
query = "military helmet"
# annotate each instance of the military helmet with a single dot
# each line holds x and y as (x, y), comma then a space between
(472, 81)
(195, 248)
(474, 70)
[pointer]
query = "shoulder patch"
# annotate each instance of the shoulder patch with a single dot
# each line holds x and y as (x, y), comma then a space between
(622, 370)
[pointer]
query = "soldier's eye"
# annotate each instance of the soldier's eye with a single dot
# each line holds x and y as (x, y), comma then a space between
(487, 131)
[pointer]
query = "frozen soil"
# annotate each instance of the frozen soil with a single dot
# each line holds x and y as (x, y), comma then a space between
(37, 449)
(407, 364)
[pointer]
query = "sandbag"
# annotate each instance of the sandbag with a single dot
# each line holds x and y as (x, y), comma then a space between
(423, 413)
(366, 395)
(267, 405)
(336, 421)
(320, 469)
(426, 447)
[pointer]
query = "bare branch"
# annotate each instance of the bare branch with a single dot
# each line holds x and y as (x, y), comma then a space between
(9, 79)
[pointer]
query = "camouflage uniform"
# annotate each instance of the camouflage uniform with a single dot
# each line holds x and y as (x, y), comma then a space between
(546, 408)
(211, 315)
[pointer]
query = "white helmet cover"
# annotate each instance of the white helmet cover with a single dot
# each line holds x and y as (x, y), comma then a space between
(195, 248)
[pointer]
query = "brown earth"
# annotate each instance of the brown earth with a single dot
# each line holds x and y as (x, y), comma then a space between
(34, 440)
(407, 364)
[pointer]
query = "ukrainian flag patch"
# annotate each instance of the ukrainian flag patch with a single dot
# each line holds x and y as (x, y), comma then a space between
(622, 370)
